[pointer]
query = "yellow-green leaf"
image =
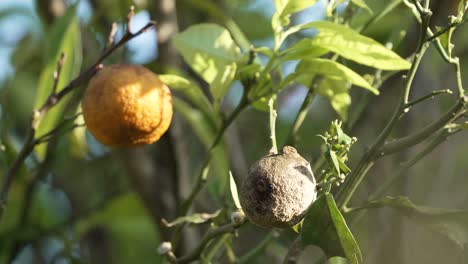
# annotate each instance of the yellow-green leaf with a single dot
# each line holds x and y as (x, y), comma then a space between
(333, 70)
(211, 52)
(354, 46)
(64, 37)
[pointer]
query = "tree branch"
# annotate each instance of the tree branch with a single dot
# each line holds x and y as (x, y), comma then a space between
(53, 98)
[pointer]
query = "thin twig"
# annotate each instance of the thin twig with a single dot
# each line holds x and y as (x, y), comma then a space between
(411, 140)
(201, 179)
(228, 228)
(429, 96)
(447, 28)
(357, 175)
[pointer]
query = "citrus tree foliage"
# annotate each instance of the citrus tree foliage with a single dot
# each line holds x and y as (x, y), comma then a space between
(233, 68)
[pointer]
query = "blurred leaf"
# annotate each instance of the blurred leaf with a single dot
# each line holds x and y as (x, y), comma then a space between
(338, 260)
(303, 49)
(244, 18)
(354, 46)
(234, 192)
(362, 5)
(298, 227)
(452, 224)
(206, 133)
(193, 219)
(284, 8)
(78, 143)
(333, 70)
(462, 8)
(12, 212)
(128, 223)
(49, 207)
(111, 9)
(443, 38)
(341, 102)
(337, 91)
(64, 37)
(211, 52)
(324, 226)
(15, 10)
(191, 90)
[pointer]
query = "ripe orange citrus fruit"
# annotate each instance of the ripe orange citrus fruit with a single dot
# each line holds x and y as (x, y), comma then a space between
(127, 105)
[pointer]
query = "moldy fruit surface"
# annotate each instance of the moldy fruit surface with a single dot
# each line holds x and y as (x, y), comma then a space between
(279, 189)
(127, 105)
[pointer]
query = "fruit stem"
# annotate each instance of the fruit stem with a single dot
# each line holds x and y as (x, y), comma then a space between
(273, 115)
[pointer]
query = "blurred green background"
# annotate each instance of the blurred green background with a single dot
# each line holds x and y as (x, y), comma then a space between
(97, 205)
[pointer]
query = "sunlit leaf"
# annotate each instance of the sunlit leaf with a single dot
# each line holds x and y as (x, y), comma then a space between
(324, 226)
(199, 218)
(354, 46)
(362, 4)
(210, 51)
(334, 159)
(333, 70)
(64, 37)
(303, 49)
(78, 143)
(452, 224)
(284, 8)
(234, 192)
(191, 90)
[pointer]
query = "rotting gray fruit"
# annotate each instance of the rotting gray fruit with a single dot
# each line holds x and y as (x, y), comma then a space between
(279, 189)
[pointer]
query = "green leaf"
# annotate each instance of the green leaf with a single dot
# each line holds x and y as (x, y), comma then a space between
(334, 159)
(191, 90)
(49, 207)
(211, 52)
(298, 227)
(333, 70)
(362, 5)
(303, 49)
(284, 8)
(125, 221)
(234, 192)
(337, 91)
(324, 226)
(64, 37)
(354, 46)
(199, 218)
(343, 167)
(452, 224)
(340, 103)
(462, 8)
